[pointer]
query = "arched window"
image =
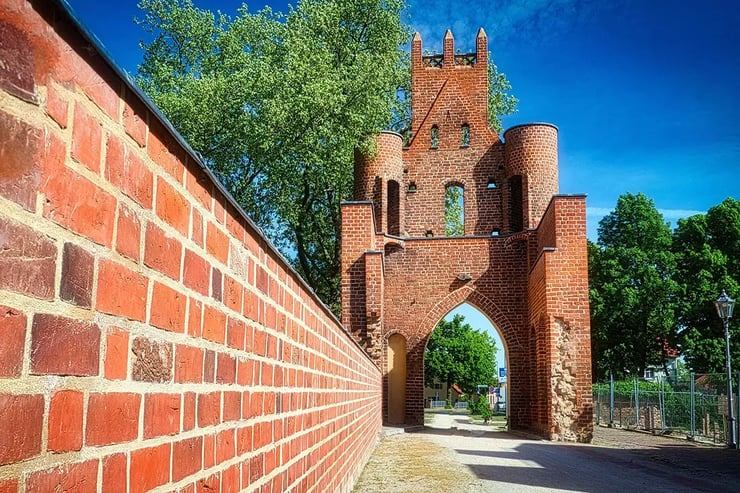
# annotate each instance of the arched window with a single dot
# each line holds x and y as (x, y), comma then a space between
(394, 208)
(516, 207)
(454, 211)
(464, 135)
(434, 141)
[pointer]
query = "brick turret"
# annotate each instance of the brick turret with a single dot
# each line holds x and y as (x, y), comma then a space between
(521, 260)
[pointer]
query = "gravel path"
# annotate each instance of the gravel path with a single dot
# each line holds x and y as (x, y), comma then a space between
(452, 455)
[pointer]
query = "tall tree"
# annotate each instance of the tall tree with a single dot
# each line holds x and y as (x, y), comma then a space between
(277, 103)
(707, 250)
(633, 293)
(457, 353)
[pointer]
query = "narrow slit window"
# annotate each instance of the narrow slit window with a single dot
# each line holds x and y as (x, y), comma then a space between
(434, 141)
(464, 135)
(454, 211)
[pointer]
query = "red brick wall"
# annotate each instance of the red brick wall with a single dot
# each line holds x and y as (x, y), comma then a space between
(150, 336)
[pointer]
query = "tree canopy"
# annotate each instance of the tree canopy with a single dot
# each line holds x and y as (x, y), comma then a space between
(457, 353)
(707, 252)
(652, 290)
(632, 290)
(277, 103)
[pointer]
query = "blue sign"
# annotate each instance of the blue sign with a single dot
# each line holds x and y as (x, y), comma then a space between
(502, 372)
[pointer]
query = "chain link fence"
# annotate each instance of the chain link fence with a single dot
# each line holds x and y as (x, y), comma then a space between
(696, 408)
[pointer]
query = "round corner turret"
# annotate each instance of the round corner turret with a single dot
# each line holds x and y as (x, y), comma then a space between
(531, 152)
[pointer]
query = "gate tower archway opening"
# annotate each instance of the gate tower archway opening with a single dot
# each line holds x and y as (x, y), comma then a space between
(436, 392)
(529, 277)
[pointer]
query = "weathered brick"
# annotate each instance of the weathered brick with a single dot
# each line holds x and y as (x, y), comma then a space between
(209, 409)
(80, 477)
(225, 446)
(124, 169)
(167, 308)
(195, 317)
(217, 243)
(150, 467)
(152, 360)
(216, 284)
(226, 369)
(128, 232)
(188, 364)
(22, 440)
(115, 476)
(75, 202)
(13, 334)
(165, 151)
(9, 486)
(120, 408)
(21, 149)
(187, 457)
(214, 324)
(116, 354)
(233, 294)
(196, 272)
(172, 207)
(77, 275)
(64, 346)
(161, 252)
(188, 411)
(209, 367)
(27, 260)
(65, 421)
(135, 118)
(161, 414)
(56, 106)
(19, 63)
(121, 291)
(86, 138)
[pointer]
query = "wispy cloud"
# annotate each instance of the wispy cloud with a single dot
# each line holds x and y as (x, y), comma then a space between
(502, 19)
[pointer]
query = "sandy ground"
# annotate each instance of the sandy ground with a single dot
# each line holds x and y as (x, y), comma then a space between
(452, 455)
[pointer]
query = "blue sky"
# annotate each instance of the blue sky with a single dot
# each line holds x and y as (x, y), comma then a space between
(646, 94)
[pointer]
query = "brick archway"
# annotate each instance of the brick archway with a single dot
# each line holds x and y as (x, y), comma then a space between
(522, 260)
(478, 300)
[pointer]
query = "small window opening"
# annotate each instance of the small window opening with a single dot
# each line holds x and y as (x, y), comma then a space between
(464, 135)
(412, 187)
(491, 184)
(434, 137)
(429, 233)
(454, 211)
(496, 232)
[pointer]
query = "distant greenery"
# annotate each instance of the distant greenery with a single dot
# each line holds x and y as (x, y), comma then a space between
(652, 289)
(458, 354)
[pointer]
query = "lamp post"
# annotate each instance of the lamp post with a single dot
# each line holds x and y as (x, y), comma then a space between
(725, 305)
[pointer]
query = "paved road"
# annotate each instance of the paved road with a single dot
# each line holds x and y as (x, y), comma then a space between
(618, 461)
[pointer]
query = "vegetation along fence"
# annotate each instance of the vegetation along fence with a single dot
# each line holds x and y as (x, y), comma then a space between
(695, 407)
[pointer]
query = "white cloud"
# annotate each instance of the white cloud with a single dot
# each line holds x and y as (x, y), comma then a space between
(535, 20)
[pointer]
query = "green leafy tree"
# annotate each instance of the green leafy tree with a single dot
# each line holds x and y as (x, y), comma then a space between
(633, 293)
(707, 251)
(277, 103)
(457, 353)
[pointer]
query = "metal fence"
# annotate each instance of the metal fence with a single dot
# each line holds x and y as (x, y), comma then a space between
(696, 407)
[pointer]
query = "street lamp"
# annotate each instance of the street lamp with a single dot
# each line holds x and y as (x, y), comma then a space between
(725, 305)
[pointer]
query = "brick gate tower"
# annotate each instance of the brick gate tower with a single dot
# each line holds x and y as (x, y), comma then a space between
(521, 261)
